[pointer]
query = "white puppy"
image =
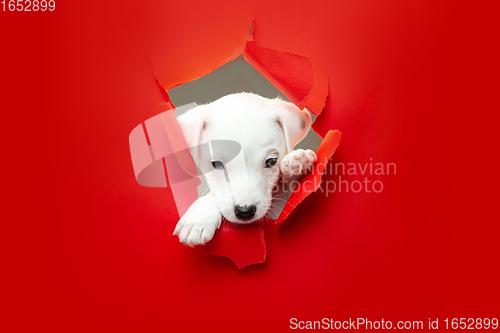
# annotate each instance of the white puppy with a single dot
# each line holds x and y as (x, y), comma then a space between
(243, 144)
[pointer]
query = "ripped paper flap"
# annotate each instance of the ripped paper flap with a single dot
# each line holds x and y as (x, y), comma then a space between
(244, 245)
(312, 181)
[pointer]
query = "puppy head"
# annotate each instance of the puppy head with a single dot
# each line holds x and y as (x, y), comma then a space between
(238, 142)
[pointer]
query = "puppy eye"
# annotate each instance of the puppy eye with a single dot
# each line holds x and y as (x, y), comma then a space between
(218, 165)
(270, 162)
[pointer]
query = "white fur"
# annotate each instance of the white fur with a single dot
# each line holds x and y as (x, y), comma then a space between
(258, 129)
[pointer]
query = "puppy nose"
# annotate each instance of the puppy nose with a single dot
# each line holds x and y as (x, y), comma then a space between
(245, 212)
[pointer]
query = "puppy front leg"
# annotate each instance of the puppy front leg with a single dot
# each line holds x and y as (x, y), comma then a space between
(297, 162)
(292, 166)
(197, 226)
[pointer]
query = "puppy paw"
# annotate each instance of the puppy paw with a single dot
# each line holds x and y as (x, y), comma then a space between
(297, 162)
(197, 226)
(195, 233)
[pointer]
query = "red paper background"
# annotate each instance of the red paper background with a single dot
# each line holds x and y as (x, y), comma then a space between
(86, 247)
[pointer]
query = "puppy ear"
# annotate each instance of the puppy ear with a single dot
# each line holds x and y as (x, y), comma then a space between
(192, 124)
(295, 122)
